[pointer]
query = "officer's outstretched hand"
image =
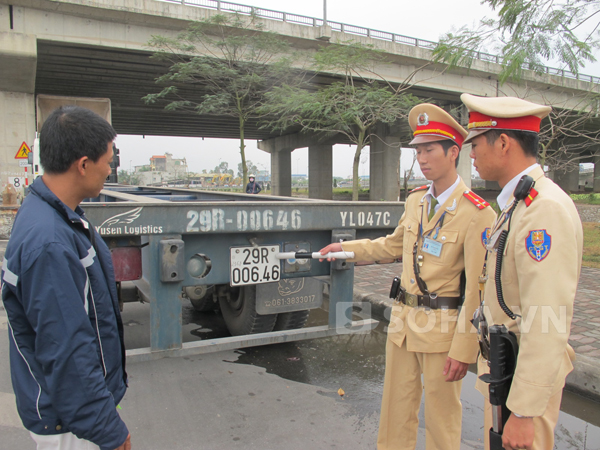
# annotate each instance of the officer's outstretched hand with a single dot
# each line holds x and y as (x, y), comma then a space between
(455, 370)
(518, 433)
(335, 247)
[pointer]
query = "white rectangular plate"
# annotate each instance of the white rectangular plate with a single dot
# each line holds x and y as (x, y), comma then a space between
(254, 265)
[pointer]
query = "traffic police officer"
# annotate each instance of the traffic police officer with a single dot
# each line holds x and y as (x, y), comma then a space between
(443, 229)
(545, 238)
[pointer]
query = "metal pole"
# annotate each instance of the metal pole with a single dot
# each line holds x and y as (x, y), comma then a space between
(324, 12)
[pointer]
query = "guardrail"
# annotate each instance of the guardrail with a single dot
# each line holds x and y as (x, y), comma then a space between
(356, 30)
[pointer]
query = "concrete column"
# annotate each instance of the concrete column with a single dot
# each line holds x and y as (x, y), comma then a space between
(320, 171)
(384, 170)
(17, 125)
(18, 57)
(281, 172)
(596, 173)
(567, 179)
(464, 164)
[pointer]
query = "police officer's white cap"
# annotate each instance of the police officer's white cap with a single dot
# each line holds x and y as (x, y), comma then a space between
(502, 113)
(431, 123)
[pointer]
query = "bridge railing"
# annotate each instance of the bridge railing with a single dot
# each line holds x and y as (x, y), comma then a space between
(356, 30)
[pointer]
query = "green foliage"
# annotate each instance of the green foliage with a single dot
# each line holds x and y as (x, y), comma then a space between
(223, 168)
(124, 177)
(587, 199)
(591, 244)
(527, 34)
(351, 108)
(231, 60)
(251, 168)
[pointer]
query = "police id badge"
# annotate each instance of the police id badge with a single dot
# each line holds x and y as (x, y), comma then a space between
(432, 247)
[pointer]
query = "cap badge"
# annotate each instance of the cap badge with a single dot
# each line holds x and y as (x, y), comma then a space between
(423, 119)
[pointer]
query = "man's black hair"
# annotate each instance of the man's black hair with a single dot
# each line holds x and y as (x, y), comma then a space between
(447, 144)
(528, 140)
(70, 133)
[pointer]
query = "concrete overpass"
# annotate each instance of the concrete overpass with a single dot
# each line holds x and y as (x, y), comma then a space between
(97, 48)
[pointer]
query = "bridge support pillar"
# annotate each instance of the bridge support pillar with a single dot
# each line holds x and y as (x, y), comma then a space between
(18, 58)
(567, 179)
(17, 125)
(320, 172)
(465, 164)
(281, 172)
(596, 174)
(384, 170)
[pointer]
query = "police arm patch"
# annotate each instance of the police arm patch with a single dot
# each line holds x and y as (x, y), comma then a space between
(485, 237)
(538, 244)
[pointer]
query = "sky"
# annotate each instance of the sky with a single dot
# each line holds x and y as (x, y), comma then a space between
(427, 21)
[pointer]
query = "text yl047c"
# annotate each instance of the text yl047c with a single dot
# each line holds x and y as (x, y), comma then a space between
(254, 265)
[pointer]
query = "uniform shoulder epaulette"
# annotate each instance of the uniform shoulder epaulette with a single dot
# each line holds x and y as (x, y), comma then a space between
(476, 199)
(532, 194)
(420, 188)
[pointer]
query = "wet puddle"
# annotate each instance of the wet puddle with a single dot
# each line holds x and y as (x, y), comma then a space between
(356, 363)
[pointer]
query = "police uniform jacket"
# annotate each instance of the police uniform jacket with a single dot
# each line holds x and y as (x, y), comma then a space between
(540, 272)
(466, 223)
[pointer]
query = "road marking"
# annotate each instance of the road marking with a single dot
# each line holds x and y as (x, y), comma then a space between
(8, 411)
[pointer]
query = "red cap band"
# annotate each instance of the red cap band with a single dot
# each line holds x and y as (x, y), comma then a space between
(439, 129)
(526, 123)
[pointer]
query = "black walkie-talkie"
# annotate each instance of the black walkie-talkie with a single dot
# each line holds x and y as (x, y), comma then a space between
(521, 192)
(523, 187)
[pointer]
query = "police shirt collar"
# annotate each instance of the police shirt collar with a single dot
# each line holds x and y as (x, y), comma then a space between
(507, 191)
(444, 195)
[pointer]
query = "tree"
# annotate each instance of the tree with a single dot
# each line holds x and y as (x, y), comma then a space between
(528, 34)
(127, 178)
(232, 59)
(223, 167)
(408, 174)
(251, 168)
(351, 108)
(570, 135)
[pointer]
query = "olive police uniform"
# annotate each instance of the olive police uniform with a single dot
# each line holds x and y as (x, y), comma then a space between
(540, 272)
(421, 338)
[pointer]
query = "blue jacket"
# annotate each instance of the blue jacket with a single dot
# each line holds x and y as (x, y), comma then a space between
(253, 188)
(67, 356)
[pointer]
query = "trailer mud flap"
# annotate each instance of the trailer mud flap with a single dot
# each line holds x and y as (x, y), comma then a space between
(290, 294)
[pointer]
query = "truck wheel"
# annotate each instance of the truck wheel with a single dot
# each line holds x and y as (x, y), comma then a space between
(291, 320)
(201, 298)
(238, 306)
(205, 304)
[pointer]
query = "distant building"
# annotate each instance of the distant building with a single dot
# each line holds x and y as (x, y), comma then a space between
(163, 169)
(263, 177)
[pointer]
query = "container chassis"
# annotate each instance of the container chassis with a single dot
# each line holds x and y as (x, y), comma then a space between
(168, 243)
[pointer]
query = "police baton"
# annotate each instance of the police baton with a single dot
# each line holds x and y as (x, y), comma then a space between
(502, 362)
(314, 255)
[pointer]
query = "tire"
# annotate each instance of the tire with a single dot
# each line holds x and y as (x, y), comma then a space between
(238, 306)
(204, 304)
(291, 320)
(202, 300)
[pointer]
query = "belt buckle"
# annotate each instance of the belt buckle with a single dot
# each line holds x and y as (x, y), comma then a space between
(411, 300)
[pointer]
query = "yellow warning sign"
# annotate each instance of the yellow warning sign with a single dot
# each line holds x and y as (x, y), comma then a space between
(23, 151)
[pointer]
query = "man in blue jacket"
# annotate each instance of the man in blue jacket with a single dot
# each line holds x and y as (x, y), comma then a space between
(67, 355)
